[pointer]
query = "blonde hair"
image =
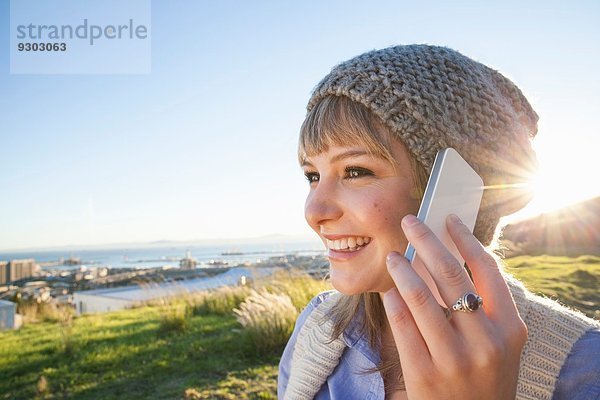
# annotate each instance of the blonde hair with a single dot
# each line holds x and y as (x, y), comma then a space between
(338, 120)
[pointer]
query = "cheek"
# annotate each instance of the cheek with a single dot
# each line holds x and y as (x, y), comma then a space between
(387, 214)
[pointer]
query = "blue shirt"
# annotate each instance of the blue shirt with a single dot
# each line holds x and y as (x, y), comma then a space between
(579, 377)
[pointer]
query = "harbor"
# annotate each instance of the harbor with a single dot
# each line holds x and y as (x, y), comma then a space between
(89, 284)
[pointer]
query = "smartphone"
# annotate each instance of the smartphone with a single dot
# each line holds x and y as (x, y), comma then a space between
(453, 188)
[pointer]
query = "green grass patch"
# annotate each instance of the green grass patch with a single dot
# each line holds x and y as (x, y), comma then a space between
(253, 383)
(573, 281)
(126, 354)
(189, 347)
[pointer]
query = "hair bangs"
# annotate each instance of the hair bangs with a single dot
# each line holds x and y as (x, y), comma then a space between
(340, 121)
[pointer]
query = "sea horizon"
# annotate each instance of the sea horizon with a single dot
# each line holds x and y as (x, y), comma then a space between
(164, 253)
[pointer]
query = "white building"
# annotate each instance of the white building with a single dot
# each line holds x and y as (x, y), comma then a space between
(9, 319)
(103, 300)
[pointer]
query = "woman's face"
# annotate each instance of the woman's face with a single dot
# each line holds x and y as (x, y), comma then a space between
(355, 205)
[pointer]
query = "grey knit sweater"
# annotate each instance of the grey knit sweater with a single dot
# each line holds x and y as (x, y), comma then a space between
(552, 331)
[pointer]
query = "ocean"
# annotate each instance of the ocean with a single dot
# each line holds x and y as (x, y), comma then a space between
(167, 255)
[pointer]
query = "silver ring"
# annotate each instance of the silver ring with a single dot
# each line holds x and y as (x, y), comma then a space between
(469, 302)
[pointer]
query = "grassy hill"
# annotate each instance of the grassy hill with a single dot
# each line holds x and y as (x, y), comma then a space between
(160, 352)
(125, 355)
(570, 231)
(571, 281)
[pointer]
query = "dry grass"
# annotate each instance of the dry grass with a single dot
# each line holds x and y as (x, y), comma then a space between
(220, 301)
(29, 311)
(268, 320)
(33, 312)
(267, 308)
(298, 285)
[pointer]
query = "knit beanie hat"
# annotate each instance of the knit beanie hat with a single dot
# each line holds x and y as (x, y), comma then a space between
(433, 97)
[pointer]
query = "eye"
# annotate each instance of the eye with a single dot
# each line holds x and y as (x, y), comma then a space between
(351, 172)
(311, 176)
(357, 172)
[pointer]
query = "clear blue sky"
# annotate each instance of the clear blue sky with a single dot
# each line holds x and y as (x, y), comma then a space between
(205, 145)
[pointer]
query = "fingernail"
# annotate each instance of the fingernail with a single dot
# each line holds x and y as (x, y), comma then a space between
(392, 257)
(454, 219)
(410, 220)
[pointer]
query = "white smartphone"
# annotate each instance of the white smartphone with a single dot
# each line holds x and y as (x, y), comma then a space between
(453, 188)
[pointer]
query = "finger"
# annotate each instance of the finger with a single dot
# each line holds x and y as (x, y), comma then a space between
(424, 308)
(412, 349)
(484, 269)
(450, 277)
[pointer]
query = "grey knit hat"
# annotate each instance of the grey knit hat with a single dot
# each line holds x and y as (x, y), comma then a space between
(433, 97)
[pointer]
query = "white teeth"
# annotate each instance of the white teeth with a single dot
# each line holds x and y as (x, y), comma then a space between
(344, 243)
(348, 243)
(351, 242)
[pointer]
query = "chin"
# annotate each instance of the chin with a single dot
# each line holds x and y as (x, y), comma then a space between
(348, 285)
(354, 284)
(343, 283)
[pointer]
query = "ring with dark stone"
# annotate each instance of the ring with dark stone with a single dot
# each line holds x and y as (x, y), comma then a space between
(469, 302)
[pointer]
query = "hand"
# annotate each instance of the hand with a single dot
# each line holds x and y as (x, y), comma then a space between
(471, 356)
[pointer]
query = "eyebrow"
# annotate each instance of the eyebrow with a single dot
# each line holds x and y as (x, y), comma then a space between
(340, 156)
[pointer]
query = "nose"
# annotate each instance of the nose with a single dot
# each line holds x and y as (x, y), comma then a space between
(322, 205)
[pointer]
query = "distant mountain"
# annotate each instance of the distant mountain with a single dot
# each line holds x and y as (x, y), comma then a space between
(570, 231)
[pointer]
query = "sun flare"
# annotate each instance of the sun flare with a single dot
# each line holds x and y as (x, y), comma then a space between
(563, 178)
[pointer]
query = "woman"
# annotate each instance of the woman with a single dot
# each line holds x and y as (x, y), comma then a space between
(373, 127)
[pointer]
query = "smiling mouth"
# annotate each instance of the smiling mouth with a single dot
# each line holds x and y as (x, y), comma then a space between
(349, 244)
